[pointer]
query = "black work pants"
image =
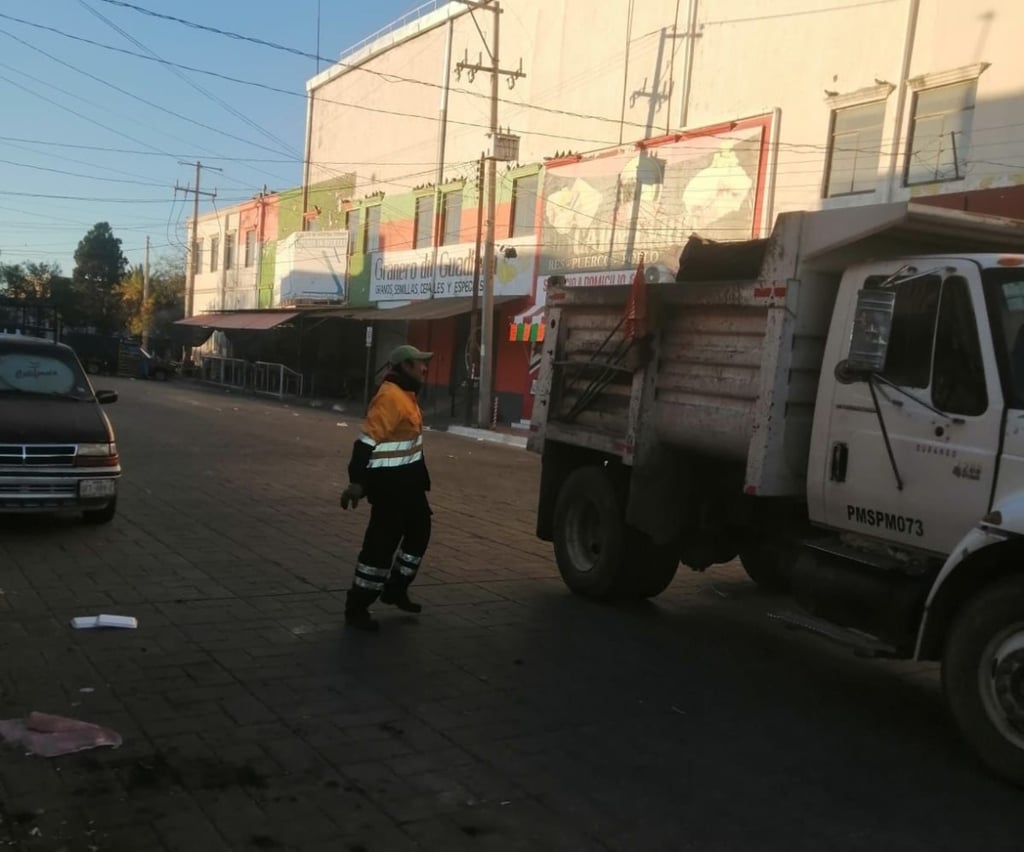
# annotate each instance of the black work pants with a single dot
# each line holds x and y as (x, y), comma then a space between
(393, 546)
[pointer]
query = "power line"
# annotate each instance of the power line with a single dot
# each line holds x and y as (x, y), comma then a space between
(101, 200)
(79, 174)
(256, 126)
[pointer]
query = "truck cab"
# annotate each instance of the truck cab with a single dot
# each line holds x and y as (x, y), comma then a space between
(841, 406)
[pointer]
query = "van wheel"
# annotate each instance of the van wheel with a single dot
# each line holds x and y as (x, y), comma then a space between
(101, 516)
(648, 568)
(589, 534)
(983, 677)
(768, 564)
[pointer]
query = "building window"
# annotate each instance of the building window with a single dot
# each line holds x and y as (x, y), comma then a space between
(214, 253)
(229, 252)
(452, 212)
(352, 222)
(855, 149)
(524, 206)
(424, 221)
(197, 257)
(250, 248)
(372, 229)
(940, 133)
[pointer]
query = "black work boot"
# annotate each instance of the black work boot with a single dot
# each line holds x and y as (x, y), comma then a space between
(357, 610)
(400, 598)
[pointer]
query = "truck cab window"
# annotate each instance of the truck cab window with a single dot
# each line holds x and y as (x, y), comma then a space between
(1004, 297)
(958, 374)
(909, 360)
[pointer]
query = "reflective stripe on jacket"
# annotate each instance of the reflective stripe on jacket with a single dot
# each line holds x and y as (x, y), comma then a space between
(388, 455)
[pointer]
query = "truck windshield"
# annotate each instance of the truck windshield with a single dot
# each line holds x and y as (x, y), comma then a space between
(39, 371)
(1004, 293)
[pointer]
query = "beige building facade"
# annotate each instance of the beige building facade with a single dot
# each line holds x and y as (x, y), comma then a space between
(869, 100)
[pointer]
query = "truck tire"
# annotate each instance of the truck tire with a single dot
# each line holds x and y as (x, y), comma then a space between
(767, 565)
(983, 677)
(648, 568)
(101, 516)
(589, 534)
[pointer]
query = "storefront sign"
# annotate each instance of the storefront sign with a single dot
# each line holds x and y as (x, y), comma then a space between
(408, 276)
(602, 211)
(311, 266)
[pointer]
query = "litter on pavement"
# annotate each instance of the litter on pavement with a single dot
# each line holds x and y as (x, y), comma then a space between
(51, 736)
(89, 622)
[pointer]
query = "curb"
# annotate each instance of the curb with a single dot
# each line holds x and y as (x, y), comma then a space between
(488, 436)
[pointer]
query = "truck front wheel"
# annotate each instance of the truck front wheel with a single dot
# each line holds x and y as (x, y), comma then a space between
(589, 533)
(768, 565)
(983, 676)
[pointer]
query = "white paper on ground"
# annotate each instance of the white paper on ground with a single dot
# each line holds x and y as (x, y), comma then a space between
(87, 622)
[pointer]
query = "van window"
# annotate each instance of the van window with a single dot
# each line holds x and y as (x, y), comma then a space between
(32, 370)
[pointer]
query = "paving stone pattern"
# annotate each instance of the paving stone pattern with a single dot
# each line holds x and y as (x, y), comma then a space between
(509, 716)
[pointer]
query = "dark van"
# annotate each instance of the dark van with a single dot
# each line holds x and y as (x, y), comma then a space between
(57, 447)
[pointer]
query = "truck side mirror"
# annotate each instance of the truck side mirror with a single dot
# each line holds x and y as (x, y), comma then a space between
(869, 340)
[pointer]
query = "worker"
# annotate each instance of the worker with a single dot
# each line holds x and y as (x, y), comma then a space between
(388, 469)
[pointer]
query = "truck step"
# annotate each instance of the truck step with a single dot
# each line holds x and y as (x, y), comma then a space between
(862, 644)
(878, 561)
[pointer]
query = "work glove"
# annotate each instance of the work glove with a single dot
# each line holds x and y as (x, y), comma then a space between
(351, 496)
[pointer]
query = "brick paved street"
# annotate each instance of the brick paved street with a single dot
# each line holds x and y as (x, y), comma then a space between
(508, 716)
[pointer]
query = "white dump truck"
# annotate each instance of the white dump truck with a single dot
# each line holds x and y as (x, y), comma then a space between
(841, 406)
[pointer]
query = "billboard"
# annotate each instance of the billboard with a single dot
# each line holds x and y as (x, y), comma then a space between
(600, 211)
(311, 266)
(408, 276)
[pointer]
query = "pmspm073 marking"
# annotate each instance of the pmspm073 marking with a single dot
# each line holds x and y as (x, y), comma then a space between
(889, 521)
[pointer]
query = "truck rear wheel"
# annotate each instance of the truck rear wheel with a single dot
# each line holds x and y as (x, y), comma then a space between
(589, 534)
(983, 677)
(648, 568)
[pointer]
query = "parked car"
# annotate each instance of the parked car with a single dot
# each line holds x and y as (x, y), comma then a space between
(57, 446)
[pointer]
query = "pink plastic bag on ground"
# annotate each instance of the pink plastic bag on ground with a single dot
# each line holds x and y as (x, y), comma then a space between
(52, 736)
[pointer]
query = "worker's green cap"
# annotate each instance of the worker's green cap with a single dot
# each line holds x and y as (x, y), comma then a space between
(406, 352)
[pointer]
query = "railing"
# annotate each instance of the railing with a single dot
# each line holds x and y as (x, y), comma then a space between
(262, 377)
(276, 380)
(394, 26)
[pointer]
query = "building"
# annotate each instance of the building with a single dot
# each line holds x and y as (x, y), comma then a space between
(660, 119)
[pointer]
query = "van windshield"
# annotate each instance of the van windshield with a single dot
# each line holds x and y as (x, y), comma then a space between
(1004, 293)
(40, 371)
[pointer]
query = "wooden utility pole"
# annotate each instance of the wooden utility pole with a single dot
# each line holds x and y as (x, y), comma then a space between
(487, 326)
(193, 245)
(145, 299)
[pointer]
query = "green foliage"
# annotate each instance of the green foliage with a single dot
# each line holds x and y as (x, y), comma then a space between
(100, 266)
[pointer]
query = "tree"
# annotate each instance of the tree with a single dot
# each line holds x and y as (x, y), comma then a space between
(166, 302)
(100, 266)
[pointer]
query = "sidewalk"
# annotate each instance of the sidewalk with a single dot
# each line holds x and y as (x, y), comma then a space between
(504, 434)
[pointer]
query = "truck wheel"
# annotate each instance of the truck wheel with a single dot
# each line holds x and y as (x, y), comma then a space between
(101, 516)
(648, 568)
(589, 533)
(767, 565)
(983, 677)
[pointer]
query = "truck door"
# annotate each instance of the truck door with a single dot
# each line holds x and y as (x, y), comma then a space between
(912, 451)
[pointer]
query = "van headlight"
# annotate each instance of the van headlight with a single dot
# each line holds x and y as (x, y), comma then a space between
(97, 455)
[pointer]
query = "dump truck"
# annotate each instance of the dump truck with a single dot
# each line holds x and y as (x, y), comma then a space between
(840, 406)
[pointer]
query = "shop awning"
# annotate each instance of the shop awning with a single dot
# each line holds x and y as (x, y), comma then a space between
(528, 327)
(240, 320)
(426, 309)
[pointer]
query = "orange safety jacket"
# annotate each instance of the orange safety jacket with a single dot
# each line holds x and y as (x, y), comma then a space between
(387, 458)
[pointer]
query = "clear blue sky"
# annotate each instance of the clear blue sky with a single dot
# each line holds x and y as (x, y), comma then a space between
(48, 229)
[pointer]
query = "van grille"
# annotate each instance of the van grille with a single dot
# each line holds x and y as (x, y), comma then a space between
(37, 455)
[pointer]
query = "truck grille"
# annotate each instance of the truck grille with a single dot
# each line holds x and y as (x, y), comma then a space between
(37, 455)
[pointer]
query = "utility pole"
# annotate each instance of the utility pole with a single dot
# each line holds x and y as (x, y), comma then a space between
(474, 311)
(192, 259)
(145, 299)
(487, 326)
